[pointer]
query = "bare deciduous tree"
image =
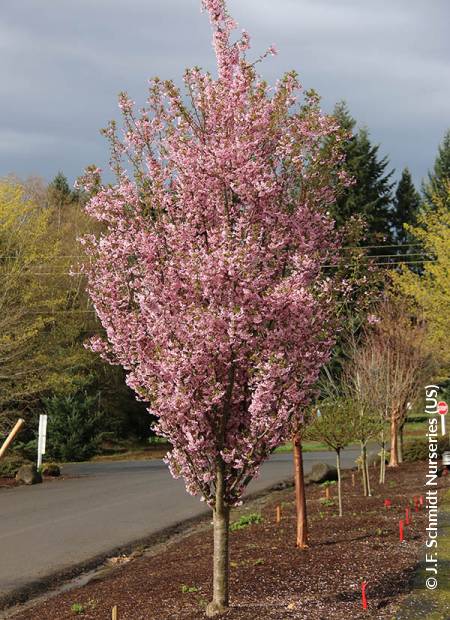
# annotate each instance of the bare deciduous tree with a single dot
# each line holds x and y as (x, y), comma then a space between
(389, 367)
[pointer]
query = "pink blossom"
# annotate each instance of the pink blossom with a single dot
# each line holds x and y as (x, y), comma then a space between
(207, 276)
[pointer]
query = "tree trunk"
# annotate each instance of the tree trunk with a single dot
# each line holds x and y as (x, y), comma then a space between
(393, 460)
(400, 444)
(382, 459)
(368, 492)
(363, 470)
(338, 466)
(219, 604)
(300, 498)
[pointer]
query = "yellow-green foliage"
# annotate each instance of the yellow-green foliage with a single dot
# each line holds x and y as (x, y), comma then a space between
(22, 227)
(431, 288)
(42, 318)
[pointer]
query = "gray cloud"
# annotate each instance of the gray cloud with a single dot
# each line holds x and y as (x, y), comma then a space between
(64, 62)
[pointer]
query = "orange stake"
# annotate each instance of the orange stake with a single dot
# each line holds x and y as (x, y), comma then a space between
(278, 514)
(363, 594)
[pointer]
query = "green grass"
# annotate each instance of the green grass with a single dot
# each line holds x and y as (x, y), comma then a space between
(413, 429)
(77, 608)
(307, 446)
(188, 589)
(245, 521)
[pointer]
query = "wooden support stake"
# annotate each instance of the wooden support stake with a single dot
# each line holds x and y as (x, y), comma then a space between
(114, 615)
(327, 492)
(278, 514)
(353, 479)
(11, 436)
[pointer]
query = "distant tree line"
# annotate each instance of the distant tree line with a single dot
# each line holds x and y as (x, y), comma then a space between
(45, 314)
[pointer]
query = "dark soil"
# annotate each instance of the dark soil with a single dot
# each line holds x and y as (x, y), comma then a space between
(7, 483)
(270, 578)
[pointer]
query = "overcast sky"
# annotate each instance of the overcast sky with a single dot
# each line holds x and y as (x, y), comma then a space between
(64, 61)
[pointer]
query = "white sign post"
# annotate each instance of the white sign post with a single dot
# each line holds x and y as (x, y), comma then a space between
(42, 436)
(442, 409)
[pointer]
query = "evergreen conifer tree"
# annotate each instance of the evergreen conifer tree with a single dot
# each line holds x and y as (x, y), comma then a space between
(436, 185)
(371, 193)
(405, 207)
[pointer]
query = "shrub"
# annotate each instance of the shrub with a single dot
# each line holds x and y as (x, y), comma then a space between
(245, 521)
(25, 449)
(50, 469)
(415, 450)
(417, 418)
(418, 449)
(10, 465)
(75, 427)
(155, 440)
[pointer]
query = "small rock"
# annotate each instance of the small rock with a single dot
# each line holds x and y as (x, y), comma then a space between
(28, 474)
(281, 486)
(322, 472)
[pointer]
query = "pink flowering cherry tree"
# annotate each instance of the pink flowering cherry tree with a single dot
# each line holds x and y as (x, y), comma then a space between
(207, 277)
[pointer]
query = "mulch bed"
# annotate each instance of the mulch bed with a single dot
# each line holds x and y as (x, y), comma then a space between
(9, 483)
(270, 578)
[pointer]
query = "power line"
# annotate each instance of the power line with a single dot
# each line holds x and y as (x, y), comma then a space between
(390, 263)
(394, 245)
(72, 311)
(377, 256)
(62, 312)
(404, 262)
(376, 262)
(354, 247)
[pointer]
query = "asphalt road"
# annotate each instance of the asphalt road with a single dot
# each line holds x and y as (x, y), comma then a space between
(50, 527)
